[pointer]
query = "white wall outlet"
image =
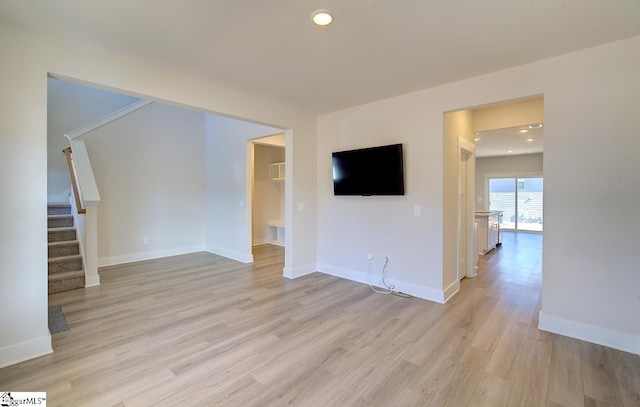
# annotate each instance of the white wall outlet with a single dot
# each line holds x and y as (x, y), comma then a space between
(242, 204)
(370, 257)
(417, 210)
(145, 239)
(301, 206)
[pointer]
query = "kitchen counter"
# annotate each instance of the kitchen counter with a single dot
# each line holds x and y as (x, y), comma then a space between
(488, 235)
(487, 213)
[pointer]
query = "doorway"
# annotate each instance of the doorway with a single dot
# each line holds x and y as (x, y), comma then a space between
(268, 191)
(504, 138)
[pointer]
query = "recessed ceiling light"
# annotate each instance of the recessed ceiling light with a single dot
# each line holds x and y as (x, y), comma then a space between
(510, 151)
(529, 139)
(322, 17)
(477, 138)
(535, 126)
(524, 131)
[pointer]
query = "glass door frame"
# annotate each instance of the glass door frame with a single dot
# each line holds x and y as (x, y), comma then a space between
(515, 176)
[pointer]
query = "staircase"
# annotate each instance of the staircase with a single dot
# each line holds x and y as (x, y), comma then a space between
(65, 261)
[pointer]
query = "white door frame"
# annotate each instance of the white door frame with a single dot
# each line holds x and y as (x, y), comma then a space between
(468, 148)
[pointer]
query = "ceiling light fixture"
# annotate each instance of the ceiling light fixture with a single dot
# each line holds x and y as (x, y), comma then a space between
(477, 138)
(535, 126)
(529, 139)
(524, 131)
(510, 151)
(322, 17)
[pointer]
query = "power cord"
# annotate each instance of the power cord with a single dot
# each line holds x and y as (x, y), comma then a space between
(389, 289)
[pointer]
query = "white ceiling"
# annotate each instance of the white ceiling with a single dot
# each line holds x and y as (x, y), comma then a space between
(510, 141)
(374, 49)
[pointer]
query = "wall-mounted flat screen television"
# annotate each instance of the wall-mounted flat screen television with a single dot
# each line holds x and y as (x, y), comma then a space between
(369, 171)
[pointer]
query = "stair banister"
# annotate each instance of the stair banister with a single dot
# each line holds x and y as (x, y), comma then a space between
(73, 174)
(89, 199)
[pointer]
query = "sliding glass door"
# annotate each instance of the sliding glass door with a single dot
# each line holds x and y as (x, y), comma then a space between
(520, 200)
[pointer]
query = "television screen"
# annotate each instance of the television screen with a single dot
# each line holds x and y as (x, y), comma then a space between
(369, 171)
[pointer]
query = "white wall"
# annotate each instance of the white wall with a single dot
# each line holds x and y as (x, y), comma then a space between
(591, 168)
(27, 59)
(70, 106)
(268, 196)
(590, 103)
(150, 171)
(228, 191)
(514, 165)
(23, 209)
(351, 227)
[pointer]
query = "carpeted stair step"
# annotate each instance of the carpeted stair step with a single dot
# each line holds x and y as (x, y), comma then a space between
(59, 249)
(66, 281)
(58, 208)
(65, 263)
(61, 234)
(60, 221)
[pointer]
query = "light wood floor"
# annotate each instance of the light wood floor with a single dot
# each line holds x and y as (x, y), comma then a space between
(201, 330)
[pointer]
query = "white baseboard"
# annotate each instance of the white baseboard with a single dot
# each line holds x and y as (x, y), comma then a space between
(259, 241)
(451, 290)
(26, 350)
(156, 254)
(594, 334)
(426, 293)
(91, 281)
(230, 254)
(295, 272)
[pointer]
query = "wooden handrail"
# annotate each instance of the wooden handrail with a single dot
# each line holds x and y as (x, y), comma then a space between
(73, 174)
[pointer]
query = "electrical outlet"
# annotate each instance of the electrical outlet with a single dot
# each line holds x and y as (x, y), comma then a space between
(145, 239)
(370, 257)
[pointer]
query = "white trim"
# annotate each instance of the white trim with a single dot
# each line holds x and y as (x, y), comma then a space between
(86, 179)
(91, 281)
(291, 273)
(590, 333)
(20, 352)
(230, 254)
(92, 277)
(81, 235)
(259, 241)
(420, 291)
(129, 258)
(469, 149)
(451, 290)
(464, 144)
(81, 131)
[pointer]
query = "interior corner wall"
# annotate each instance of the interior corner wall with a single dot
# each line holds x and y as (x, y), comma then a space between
(268, 196)
(150, 171)
(457, 125)
(70, 106)
(513, 165)
(228, 206)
